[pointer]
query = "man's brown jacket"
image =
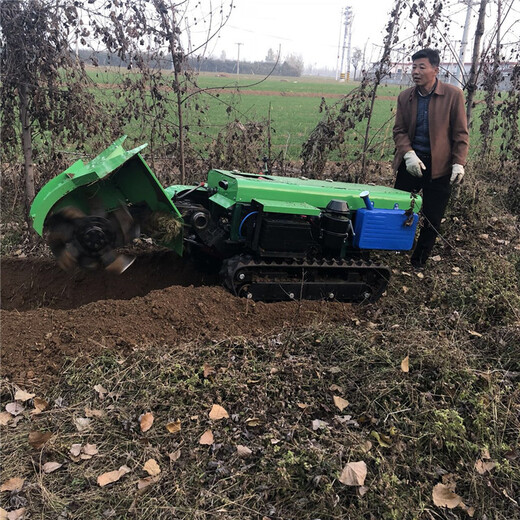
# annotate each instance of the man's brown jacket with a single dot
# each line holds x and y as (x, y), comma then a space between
(449, 137)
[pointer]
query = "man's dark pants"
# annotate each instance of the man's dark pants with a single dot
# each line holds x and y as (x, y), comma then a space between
(435, 194)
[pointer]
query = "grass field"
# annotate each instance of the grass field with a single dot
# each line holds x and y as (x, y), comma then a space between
(291, 104)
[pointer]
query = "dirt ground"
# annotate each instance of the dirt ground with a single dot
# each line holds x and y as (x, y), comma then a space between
(49, 315)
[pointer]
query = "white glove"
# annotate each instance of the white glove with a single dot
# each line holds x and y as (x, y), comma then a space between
(413, 164)
(457, 173)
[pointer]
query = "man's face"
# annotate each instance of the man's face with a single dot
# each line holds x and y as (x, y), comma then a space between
(424, 73)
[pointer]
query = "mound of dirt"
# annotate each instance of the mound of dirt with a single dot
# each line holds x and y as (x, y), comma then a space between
(49, 315)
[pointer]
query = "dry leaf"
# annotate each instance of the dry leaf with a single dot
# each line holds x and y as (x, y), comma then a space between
(39, 405)
(340, 402)
(112, 476)
(17, 514)
(420, 275)
(5, 417)
(101, 391)
(143, 483)
(207, 438)
(38, 439)
(174, 427)
(405, 289)
(146, 421)
(175, 455)
(354, 474)
(436, 258)
(336, 388)
(3, 514)
(483, 467)
(217, 413)
(405, 364)
(471, 333)
(318, 424)
(302, 405)
(13, 484)
(75, 450)
(82, 424)
(151, 467)
(485, 454)
(22, 395)
(89, 449)
(14, 408)
(243, 451)
(49, 467)
(469, 510)
(443, 496)
(89, 412)
(252, 422)
(208, 371)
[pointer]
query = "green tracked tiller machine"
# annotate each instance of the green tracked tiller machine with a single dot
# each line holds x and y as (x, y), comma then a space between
(274, 238)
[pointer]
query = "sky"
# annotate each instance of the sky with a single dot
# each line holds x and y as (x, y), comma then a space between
(311, 28)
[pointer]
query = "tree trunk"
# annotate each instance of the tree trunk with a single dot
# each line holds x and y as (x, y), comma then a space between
(471, 86)
(27, 146)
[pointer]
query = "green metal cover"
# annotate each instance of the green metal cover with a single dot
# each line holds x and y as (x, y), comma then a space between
(244, 187)
(292, 208)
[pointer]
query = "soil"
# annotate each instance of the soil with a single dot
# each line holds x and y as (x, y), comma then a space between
(49, 315)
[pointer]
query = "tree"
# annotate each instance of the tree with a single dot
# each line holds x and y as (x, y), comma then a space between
(356, 59)
(271, 56)
(45, 96)
(296, 62)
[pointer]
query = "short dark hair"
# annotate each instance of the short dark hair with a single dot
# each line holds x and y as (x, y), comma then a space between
(432, 55)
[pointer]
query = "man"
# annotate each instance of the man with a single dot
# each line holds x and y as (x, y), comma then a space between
(431, 139)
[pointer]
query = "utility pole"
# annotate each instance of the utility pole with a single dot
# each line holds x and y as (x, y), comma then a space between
(238, 57)
(464, 42)
(339, 43)
(347, 36)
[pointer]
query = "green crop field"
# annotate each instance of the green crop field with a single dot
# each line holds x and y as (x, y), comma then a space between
(292, 105)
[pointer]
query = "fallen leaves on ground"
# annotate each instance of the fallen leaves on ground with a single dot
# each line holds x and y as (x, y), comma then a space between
(484, 467)
(243, 451)
(146, 421)
(22, 395)
(101, 391)
(5, 417)
(443, 496)
(39, 405)
(151, 467)
(174, 456)
(405, 364)
(340, 402)
(174, 426)
(217, 412)
(49, 467)
(14, 408)
(13, 484)
(82, 424)
(207, 438)
(17, 514)
(112, 476)
(354, 474)
(38, 439)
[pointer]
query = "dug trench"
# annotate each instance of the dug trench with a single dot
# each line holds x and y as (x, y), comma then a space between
(49, 316)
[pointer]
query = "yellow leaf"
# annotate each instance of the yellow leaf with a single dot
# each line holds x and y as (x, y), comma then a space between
(405, 364)
(354, 474)
(174, 427)
(49, 467)
(22, 395)
(207, 438)
(146, 421)
(13, 484)
(112, 476)
(217, 413)
(443, 496)
(38, 439)
(340, 402)
(151, 467)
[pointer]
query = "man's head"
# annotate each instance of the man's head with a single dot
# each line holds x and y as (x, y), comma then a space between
(425, 67)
